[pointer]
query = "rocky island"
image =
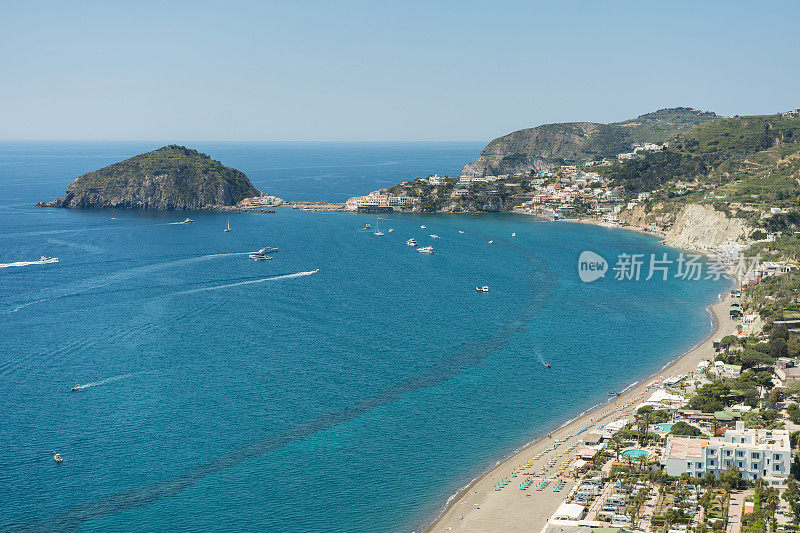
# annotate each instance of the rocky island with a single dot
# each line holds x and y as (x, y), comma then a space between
(171, 177)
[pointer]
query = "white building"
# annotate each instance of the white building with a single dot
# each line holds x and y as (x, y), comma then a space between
(757, 453)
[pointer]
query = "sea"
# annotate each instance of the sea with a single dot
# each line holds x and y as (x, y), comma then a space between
(350, 384)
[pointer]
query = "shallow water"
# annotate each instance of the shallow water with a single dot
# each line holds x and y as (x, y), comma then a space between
(227, 393)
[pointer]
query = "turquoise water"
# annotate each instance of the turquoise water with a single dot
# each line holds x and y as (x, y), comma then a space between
(635, 454)
(663, 428)
(234, 394)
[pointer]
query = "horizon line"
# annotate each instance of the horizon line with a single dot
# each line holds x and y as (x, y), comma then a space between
(254, 140)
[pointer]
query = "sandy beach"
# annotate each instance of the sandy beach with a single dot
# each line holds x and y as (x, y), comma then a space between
(480, 507)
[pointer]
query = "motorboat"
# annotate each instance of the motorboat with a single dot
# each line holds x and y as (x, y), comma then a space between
(390, 230)
(513, 234)
(315, 271)
(411, 242)
(57, 458)
(228, 227)
(76, 388)
(425, 250)
(187, 221)
(258, 256)
(45, 260)
(482, 289)
(460, 231)
(547, 365)
(379, 233)
(424, 227)
(367, 227)
(267, 249)
(434, 236)
(490, 242)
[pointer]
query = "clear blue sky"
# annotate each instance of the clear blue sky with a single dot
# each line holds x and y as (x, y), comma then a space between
(381, 70)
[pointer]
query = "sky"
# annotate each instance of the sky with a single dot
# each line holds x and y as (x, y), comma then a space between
(381, 70)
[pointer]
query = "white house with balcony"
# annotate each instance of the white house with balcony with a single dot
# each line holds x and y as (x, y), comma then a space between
(757, 453)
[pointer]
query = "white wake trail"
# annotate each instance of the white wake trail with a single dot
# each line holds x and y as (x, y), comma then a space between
(102, 381)
(26, 263)
(250, 282)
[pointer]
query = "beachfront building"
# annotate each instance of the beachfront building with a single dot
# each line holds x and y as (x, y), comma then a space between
(757, 453)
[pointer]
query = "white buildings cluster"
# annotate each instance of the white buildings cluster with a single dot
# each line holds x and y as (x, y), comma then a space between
(757, 453)
(378, 200)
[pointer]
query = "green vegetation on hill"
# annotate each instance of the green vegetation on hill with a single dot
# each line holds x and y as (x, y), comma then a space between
(750, 159)
(578, 142)
(171, 177)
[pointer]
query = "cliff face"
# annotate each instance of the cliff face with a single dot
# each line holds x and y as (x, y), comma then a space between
(550, 145)
(701, 228)
(172, 177)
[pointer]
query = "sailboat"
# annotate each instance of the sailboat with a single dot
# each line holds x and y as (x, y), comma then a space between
(377, 227)
(228, 227)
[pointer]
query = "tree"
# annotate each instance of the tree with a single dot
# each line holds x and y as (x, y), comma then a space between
(754, 359)
(779, 331)
(793, 411)
(682, 428)
(779, 348)
(730, 476)
(643, 416)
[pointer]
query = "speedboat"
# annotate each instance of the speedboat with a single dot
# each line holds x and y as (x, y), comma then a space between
(45, 260)
(57, 458)
(425, 250)
(367, 227)
(76, 388)
(547, 365)
(259, 256)
(267, 249)
(424, 227)
(379, 233)
(187, 221)
(513, 234)
(315, 271)
(490, 242)
(460, 231)
(434, 236)
(390, 230)
(411, 242)
(482, 289)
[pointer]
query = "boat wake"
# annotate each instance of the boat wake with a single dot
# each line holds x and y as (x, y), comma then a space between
(250, 282)
(118, 276)
(541, 359)
(27, 263)
(101, 382)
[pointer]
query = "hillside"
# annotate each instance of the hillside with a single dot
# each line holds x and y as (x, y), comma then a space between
(171, 177)
(550, 145)
(753, 160)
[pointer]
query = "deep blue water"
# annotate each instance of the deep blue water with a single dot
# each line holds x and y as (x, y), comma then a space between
(357, 398)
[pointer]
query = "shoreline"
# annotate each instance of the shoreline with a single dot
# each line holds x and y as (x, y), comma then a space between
(492, 510)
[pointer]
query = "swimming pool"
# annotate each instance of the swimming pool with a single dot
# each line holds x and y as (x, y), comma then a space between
(662, 429)
(635, 454)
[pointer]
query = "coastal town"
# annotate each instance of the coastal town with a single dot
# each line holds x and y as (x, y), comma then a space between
(708, 444)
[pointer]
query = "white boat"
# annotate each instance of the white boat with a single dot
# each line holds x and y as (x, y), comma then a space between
(367, 226)
(57, 458)
(434, 236)
(490, 242)
(259, 256)
(482, 289)
(187, 221)
(390, 230)
(424, 227)
(460, 231)
(267, 249)
(228, 227)
(379, 233)
(411, 242)
(44, 260)
(76, 388)
(425, 250)
(513, 234)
